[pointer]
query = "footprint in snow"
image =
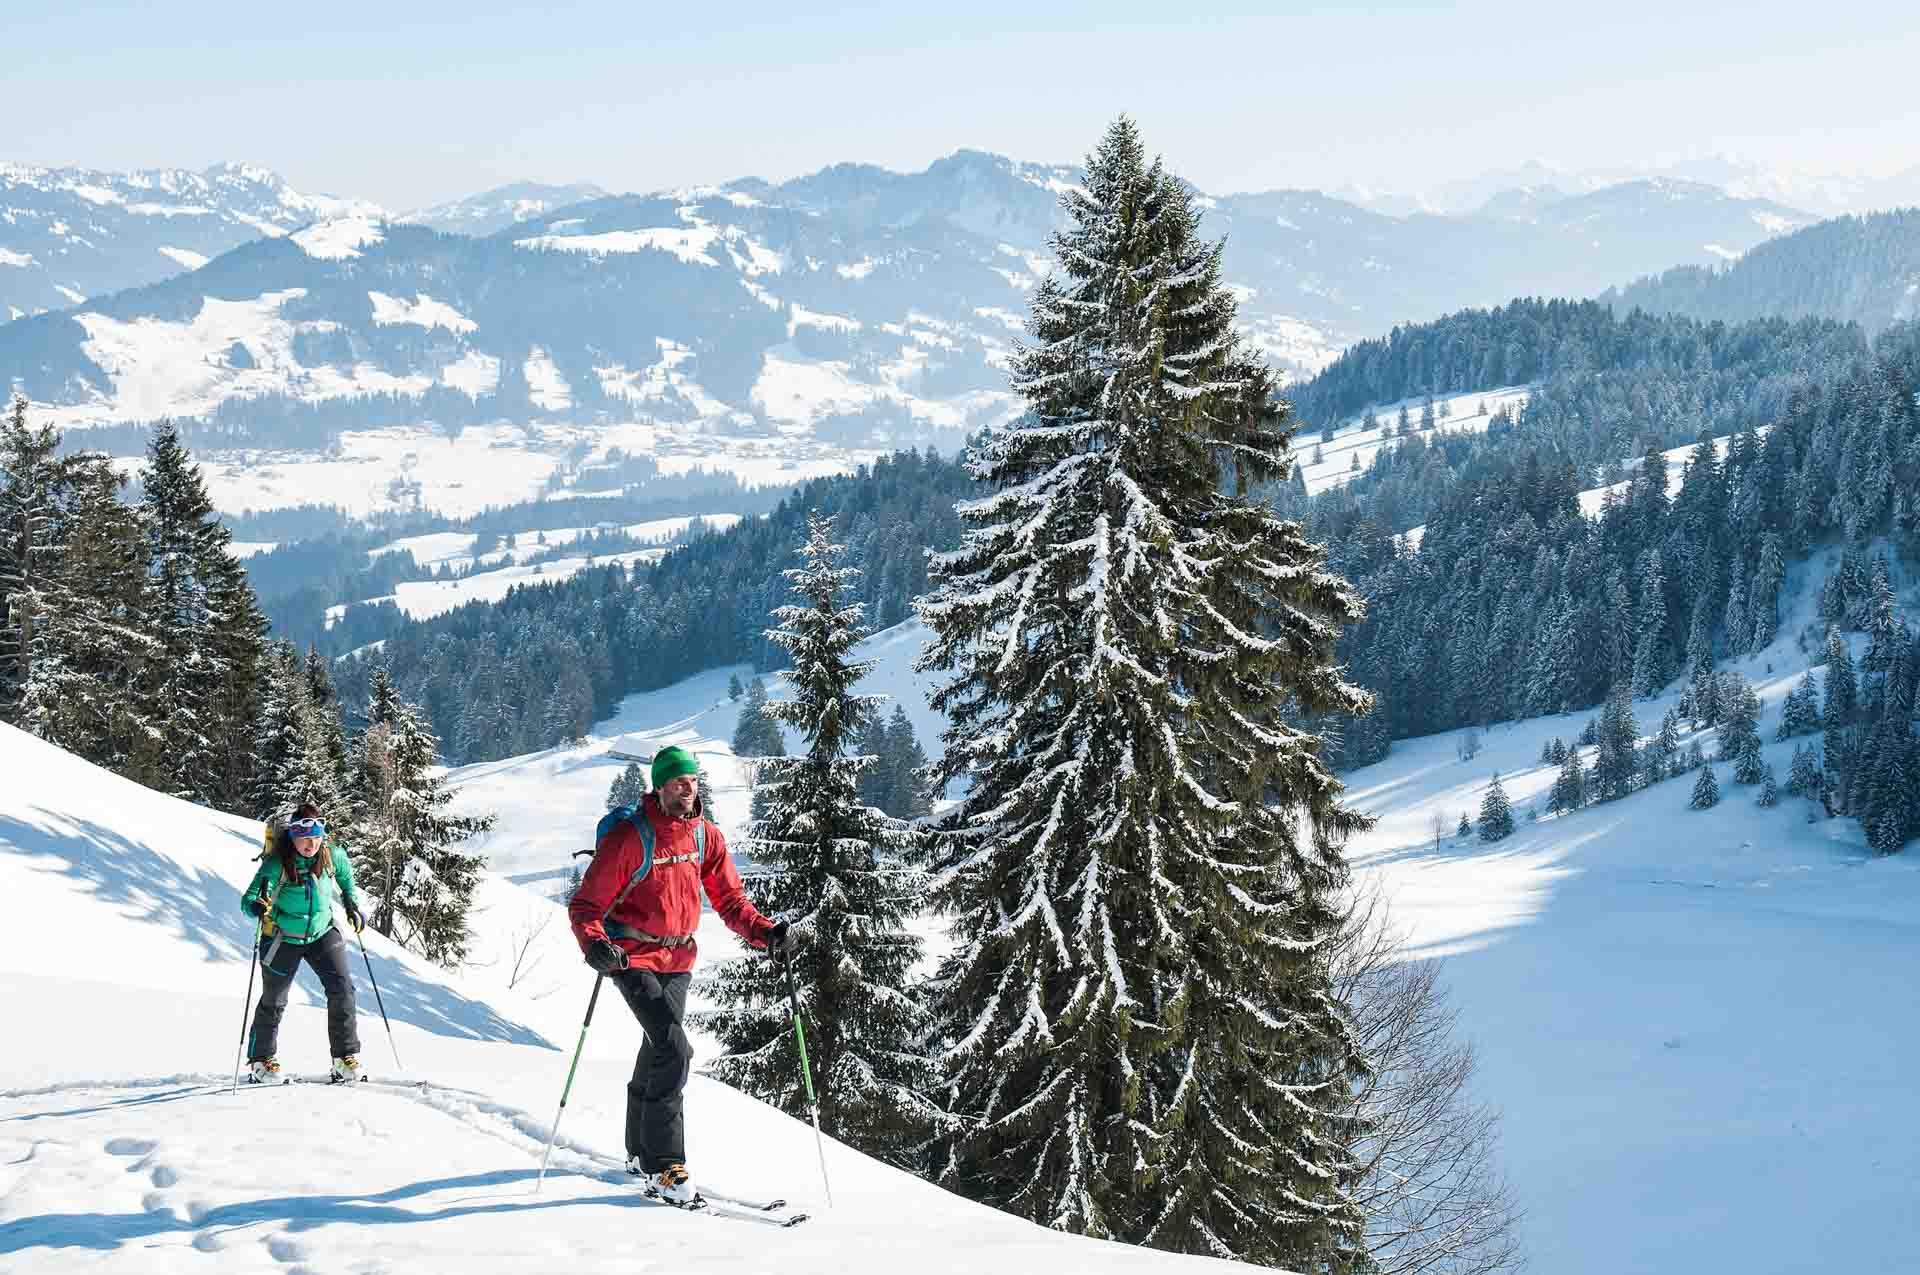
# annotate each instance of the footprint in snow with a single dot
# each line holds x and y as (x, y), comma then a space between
(130, 1146)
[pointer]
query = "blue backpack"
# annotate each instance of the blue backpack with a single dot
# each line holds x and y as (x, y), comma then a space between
(644, 826)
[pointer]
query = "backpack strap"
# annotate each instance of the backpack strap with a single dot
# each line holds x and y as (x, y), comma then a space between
(644, 827)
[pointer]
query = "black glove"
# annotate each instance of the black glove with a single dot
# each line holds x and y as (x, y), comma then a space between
(606, 956)
(354, 919)
(781, 942)
(257, 906)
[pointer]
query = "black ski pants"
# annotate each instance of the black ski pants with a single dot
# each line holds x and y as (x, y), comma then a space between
(327, 957)
(656, 1124)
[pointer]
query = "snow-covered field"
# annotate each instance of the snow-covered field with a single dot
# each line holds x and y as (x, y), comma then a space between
(424, 599)
(1330, 462)
(487, 466)
(122, 966)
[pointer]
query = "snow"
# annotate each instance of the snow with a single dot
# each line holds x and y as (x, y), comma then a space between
(338, 238)
(1773, 223)
(454, 549)
(423, 311)
(185, 257)
(688, 244)
(473, 373)
(248, 548)
(1350, 441)
(803, 317)
(122, 1149)
(858, 270)
(663, 387)
(425, 599)
(1725, 254)
(71, 294)
(545, 385)
(8, 257)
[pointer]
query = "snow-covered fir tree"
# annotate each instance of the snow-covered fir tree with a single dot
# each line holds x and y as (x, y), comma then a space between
(294, 766)
(1739, 716)
(183, 539)
(1569, 786)
(840, 874)
(90, 643)
(1136, 1029)
(1615, 763)
(407, 853)
(1652, 666)
(1769, 790)
(1837, 715)
(1496, 812)
(1800, 714)
(628, 787)
(757, 734)
(1749, 767)
(1706, 790)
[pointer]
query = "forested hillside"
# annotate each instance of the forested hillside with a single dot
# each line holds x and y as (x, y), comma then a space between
(1860, 269)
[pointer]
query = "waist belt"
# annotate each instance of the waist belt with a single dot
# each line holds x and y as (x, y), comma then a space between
(621, 930)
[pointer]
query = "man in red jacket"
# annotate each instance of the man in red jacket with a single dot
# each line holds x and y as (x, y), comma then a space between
(645, 945)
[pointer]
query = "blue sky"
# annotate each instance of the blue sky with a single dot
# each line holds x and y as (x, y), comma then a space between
(413, 101)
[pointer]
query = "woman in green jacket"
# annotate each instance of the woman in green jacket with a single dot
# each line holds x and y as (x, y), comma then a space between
(293, 895)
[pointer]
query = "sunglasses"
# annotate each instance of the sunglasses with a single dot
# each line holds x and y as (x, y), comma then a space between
(307, 828)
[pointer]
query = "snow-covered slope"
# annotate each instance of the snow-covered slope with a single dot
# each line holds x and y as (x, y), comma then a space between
(1698, 1024)
(122, 967)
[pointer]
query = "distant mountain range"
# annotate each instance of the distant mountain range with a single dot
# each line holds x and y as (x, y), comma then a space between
(1497, 190)
(68, 234)
(503, 206)
(855, 305)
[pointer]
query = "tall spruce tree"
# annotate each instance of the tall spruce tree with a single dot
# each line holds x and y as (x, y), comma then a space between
(757, 734)
(407, 854)
(1138, 1032)
(839, 873)
(91, 642)
(30, 482)
(183, 539)
(1496, 812)
(1706, 790)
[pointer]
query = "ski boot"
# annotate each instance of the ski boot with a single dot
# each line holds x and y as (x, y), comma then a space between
(672, 1185)
(265, 1071)
(345, 1071)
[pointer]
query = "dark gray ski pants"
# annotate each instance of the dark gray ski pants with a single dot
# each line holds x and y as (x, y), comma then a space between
(327, 957)
(656, 1125)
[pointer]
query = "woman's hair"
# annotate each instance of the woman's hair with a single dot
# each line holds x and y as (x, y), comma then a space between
(290, 858)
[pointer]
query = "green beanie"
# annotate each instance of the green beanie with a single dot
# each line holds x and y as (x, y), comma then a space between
(672, 762)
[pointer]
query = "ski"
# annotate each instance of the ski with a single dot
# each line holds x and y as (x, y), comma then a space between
(714, 1207)
(770, 1206)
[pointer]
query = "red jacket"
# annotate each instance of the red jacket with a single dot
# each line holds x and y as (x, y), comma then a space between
(667, 902)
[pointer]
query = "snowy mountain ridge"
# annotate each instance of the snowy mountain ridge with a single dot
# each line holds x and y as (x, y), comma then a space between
(67, 234)
(753, 327)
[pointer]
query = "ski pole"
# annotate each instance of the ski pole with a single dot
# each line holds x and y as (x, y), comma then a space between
(362, 936)
(806, 1074)
(253, 954)
(246, 1006)
(554, 1132)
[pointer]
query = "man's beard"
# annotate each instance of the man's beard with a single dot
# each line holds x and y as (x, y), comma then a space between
(683, 806)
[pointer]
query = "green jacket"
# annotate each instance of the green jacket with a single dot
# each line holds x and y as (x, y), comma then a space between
(303, 909)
